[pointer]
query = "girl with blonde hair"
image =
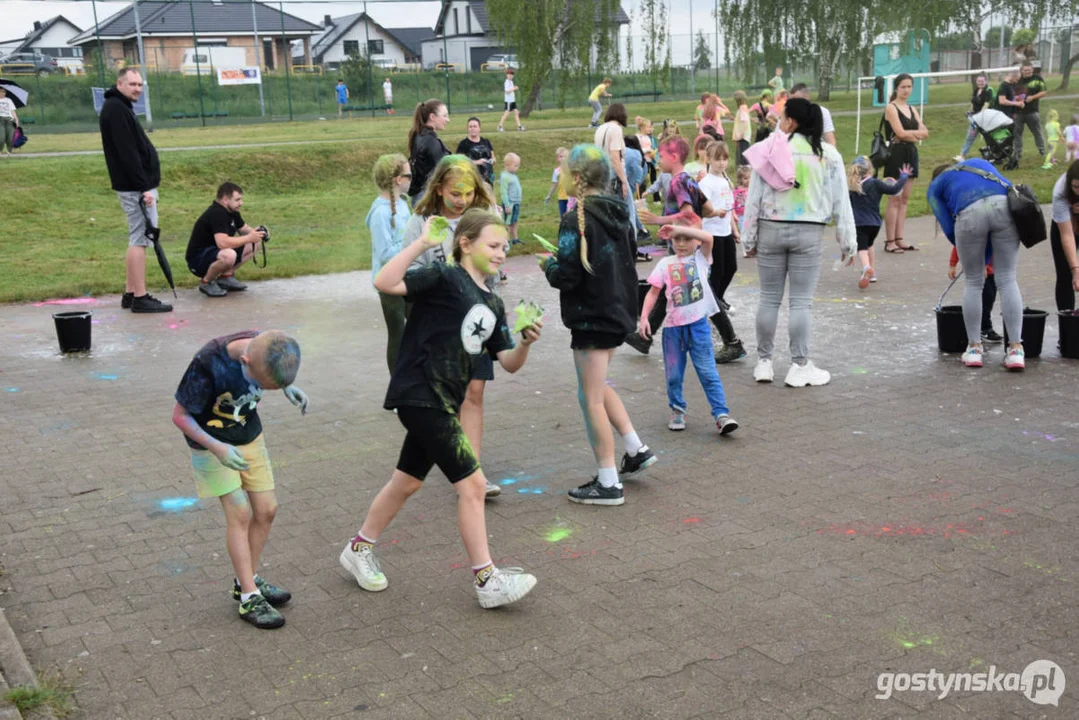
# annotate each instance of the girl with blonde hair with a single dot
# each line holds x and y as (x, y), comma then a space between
(595, 273)
(387, 218)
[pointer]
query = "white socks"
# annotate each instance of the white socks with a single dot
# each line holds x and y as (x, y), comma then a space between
(632, 442)
(608, 477)
(244, 597)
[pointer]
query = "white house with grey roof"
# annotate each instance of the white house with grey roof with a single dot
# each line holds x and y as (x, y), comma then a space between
(49, 37)
(464, 37)
(167, 33)
(361, 34)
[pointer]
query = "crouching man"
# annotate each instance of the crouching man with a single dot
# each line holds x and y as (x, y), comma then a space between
(221, 242)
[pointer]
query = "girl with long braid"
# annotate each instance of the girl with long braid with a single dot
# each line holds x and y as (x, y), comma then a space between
(387, 218)
(595, 273)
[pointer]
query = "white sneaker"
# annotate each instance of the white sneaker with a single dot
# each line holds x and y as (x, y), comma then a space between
(505, 586)
(1015, 359)
(763, 372)
(363, 566)
(972, 357)
(808, 374)
(492, 490)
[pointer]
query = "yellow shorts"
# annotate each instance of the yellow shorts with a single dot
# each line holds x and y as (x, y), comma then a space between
(212, 479)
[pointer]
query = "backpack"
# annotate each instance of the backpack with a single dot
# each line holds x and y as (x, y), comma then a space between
(19, 138)
(773, 160)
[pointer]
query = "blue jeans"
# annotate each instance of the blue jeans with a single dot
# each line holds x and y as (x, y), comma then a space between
(972, 135)
(696, 339)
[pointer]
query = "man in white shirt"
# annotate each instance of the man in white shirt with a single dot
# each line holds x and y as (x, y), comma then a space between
(828, 134)
(387, 95)
(510, 96)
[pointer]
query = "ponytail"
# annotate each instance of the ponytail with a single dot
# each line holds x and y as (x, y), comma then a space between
(583, 242)
(424, 111)
(384, 174)
(810, 121)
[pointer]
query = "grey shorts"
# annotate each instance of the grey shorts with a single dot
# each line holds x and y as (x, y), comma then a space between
(136, 223)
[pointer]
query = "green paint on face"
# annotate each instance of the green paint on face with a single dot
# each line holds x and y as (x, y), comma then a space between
(481, 263)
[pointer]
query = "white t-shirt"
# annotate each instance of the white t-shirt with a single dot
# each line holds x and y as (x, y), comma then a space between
(1071, 134)
(511, 96)
(685, 281)
(719, 192)
(1062, 210)
(387, 91)
(826, 120)
(6, 108)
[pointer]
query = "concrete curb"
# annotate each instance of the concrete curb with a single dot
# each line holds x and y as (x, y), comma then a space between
(15, 670)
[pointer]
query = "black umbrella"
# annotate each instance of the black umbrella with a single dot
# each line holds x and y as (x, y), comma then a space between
(154, 233)
(15, 92)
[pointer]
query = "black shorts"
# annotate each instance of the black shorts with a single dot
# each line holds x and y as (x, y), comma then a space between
(483, 367)
(866, 235)
(588, 340)
(207, 257)
(435, 438)
(510, 105)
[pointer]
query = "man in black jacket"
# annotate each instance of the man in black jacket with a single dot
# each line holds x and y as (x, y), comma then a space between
(135, 174)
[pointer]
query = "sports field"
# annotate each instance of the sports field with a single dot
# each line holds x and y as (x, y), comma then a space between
(64, 234)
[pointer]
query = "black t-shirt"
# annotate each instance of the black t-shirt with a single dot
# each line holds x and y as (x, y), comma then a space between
(479, 150)
(216, 219)
(218, 395)
(452, 321)
(1007, 90)
(1027, 87)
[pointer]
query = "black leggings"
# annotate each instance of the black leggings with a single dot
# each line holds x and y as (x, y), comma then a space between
(724, 266)
(1064, 293)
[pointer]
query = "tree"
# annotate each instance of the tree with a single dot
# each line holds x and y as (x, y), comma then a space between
(702, 56)
(550, 32)
(652, 15)
(992, 36)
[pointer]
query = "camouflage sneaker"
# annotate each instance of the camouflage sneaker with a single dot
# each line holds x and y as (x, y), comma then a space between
(261, 614)
(274, 595)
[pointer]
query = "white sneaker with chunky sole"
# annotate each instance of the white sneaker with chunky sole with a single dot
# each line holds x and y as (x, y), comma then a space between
(363, 565)
(808, 374)
(505, 586)
(763, 372)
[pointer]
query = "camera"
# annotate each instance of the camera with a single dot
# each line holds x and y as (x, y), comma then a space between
(262, 229)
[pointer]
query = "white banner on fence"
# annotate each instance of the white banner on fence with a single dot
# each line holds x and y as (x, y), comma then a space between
(239, 76)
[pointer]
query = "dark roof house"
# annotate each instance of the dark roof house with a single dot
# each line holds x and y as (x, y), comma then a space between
(399, 44)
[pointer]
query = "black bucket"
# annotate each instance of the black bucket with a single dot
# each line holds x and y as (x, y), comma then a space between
(73, 330)
(1069, 333)
(1033, 332)
(951, 331)
(643, 286)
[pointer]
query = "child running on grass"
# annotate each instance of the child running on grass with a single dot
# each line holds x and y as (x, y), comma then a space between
(216, 411)
(1071, 140)
(595, 274)
(556, 183)
(456, 186)
(1053, 138)
(865, 195)
(716, 186)
(683, 276)
(455, 318)
(387, 219)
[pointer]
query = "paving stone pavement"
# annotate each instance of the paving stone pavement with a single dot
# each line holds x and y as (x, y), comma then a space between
(911, 515)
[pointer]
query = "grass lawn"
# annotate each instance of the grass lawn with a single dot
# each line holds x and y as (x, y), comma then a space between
(65, 234)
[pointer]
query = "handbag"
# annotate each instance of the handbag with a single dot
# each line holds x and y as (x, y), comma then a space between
(1022, 204)
(19, 138)
(879, 149)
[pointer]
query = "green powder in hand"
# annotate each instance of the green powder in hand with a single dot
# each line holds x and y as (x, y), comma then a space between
(546, 245)
(440, 229)
(527, 314)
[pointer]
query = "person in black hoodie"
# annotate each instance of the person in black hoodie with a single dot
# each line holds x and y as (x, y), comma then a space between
(425, 148)
(135, 173)
(596, 275)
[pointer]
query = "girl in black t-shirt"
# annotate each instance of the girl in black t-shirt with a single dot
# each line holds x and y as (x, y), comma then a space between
(479, 150)
(596, 273)
(454, 318)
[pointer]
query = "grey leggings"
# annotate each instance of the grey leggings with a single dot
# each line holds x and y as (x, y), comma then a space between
(984, 221)
(786, 249)
(597, 110)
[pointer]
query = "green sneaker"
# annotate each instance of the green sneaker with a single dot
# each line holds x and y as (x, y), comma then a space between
(261, 614)
(274, 595)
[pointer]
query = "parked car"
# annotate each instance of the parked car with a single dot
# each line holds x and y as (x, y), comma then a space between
(502, 62)
(29, 63)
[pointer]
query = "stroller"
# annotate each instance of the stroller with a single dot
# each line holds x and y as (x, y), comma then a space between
(996, 130)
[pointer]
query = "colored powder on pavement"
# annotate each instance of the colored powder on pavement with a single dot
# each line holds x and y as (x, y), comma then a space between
(67, 301)
(104, 376)
(557, 535)
(531, 491)
(13, 390)
(176, 504)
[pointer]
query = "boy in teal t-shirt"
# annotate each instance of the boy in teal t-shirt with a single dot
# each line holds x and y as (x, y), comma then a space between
(510, 191)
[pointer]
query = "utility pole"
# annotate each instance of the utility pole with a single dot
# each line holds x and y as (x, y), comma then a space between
(258, 47)
(142, 64)
(692, 53)
(198, 66)
(286, 51)
(100, 49)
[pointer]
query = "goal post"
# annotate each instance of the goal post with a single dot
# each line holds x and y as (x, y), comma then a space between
(890, 79)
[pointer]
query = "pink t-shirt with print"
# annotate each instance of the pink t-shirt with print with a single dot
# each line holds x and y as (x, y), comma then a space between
(685, 280)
